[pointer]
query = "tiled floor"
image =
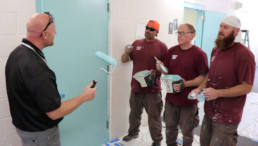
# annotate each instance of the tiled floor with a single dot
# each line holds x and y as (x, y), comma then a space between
(144, 139)
(247, 128)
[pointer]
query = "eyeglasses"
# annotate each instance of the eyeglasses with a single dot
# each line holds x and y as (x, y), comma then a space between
(182, 33)
(150, 28)
(51, 20)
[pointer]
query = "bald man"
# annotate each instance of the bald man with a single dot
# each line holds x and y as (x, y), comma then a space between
(34, 100)
(231, 77)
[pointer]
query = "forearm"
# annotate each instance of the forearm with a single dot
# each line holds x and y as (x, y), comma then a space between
(66, 108)
(203, 83)
(237, 90)
(125, 57)
(196, 81)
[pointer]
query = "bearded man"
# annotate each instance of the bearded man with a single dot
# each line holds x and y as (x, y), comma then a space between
(230, 78)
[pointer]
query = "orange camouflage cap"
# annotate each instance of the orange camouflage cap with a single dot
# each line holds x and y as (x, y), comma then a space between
(154, 24)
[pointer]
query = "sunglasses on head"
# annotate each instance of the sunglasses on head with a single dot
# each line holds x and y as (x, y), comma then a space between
(150, 28)
(51, 20)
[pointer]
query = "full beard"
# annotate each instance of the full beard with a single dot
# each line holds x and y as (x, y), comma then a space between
(225, 43)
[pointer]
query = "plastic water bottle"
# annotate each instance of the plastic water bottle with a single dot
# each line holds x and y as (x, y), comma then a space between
(201, 97)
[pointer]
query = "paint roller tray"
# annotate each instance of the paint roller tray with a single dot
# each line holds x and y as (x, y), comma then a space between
(144, 78)
(168, 80)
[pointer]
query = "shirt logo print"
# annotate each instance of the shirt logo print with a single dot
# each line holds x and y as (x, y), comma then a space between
(174, 56)
(139, 48)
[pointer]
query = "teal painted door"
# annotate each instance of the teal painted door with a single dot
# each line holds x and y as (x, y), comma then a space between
(211, 26)
(82, 29)
(199, 28)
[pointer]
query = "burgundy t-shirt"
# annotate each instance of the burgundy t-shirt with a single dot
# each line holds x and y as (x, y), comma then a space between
(143, 59)
(188, 64)
(229, 68)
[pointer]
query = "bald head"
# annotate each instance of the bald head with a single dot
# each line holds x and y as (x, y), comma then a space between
(36, 24)
(41, 30)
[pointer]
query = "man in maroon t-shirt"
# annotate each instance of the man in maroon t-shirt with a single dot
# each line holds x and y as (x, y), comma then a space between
(142, 54)
(189, 62)
(231, 76)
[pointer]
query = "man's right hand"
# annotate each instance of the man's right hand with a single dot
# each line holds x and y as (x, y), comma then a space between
(125, 57)
(89, 93)
(128, 49)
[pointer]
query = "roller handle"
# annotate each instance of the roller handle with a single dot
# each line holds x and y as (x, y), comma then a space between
(94, 83)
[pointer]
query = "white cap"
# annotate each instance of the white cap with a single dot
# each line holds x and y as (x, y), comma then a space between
(232, 21)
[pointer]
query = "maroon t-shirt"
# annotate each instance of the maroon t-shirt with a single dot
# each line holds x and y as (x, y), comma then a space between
(229, 68)
(188, 64)
(143, 59)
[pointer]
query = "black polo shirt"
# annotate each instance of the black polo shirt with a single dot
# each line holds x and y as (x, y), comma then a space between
(31, 88)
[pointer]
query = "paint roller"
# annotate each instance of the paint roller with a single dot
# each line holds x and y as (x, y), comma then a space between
(107, 59)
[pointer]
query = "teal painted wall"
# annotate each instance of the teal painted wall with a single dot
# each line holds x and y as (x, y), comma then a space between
(210, 30)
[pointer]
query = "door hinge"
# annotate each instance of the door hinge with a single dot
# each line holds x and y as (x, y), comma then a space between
(108, 7)
(107, 124)
(203, 18)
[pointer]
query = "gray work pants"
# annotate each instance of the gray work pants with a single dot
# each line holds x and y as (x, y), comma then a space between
(153, 105)
(49, 137)
(186, 117)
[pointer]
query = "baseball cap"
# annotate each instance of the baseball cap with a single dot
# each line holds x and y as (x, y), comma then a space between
(154, 24)
(232, 21)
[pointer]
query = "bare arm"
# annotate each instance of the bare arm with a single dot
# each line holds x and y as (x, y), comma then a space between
(238, 90)
(190, 83)
(125, 57)
(70, 105)
(201, 86)
(195, 82)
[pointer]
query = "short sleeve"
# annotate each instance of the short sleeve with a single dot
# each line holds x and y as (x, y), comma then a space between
(246, 67)
(202, 66)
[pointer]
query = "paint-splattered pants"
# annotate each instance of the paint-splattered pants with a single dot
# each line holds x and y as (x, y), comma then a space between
(186, 117)
(215, 134)
(153, 106)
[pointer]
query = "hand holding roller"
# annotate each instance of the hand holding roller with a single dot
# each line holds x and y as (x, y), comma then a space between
(107, 59)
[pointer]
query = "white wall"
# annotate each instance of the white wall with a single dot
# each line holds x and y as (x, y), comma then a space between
(125, 14)
(13, 17)
(247, 14)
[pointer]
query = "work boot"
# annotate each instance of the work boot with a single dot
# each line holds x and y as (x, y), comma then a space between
(155, 144)
(130, 137)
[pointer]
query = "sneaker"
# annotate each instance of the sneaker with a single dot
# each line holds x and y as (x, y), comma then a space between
(155, 144)
(130, 137)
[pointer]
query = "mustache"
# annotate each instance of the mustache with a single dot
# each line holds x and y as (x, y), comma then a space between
(226, 42)
(221, 33)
